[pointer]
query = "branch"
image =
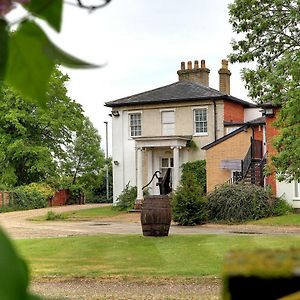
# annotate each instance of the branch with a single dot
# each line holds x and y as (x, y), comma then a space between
(93, 7)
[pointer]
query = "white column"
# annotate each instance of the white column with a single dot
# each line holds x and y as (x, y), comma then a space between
(139, 175)
(150, 169)
(176, 167)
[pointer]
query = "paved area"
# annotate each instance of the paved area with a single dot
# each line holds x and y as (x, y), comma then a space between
(18, 225)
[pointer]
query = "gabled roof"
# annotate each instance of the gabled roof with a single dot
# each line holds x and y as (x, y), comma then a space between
(257, 121)
(225, 137)
(178, 91)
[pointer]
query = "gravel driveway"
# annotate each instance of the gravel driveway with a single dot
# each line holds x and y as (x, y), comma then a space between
(18, 226)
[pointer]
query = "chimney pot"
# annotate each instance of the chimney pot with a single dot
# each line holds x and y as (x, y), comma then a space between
(224, 64)
(196, 64)
(202, 64)
(189, 65)
(182, 65)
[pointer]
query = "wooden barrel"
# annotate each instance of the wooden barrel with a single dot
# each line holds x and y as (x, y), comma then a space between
(156, 215)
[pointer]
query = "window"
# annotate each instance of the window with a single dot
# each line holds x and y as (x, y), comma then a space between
(135, 124)
(166, 163)
(200, 120)
(168, 122)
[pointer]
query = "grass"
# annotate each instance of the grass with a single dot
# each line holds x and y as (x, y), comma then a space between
(90, 213)
(133, 255)
(287, 220)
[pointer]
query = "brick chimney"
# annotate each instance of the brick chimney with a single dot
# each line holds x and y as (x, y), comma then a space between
(196, 74)
(224, 75)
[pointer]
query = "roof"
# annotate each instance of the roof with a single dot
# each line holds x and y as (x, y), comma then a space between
(178, 91)
(257, 121)
(225, 137)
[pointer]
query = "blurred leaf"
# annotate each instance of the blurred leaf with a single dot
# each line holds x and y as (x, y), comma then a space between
(61, 57)
(50, 10)
(29, 68)
(4, 38)
(14, 273)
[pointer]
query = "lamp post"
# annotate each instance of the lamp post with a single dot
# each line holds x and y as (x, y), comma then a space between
(107, 184)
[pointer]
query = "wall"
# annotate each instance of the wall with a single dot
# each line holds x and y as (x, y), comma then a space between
(235, 147)
(251, 114)
(233, 112)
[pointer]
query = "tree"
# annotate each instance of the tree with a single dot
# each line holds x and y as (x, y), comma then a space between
(84, 157)
(269, 35)
(29, 46)
(32, 138)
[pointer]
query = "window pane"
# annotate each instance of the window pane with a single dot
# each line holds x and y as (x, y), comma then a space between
(200, 120)
(135, 124)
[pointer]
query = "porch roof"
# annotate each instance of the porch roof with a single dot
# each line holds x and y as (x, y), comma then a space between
(162, 141)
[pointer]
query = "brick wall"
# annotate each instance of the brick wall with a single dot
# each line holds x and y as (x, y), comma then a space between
(60, 198)
(4, 199)
(233, 112)
(235, 147)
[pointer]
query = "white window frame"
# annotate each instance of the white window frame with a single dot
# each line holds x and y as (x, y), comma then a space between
(166, 123)
(204, 133)
(130, 126)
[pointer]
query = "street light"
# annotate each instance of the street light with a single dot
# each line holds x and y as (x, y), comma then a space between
(107, 185)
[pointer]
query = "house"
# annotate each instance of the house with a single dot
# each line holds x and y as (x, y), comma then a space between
(243, 153)
(152, 130)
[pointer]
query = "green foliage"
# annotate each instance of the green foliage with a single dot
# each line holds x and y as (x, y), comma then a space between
(198, 168)
(238, 203)
(189, 205)
(42, 188)
(127, 198)
(33, 140)
(280, 207)
(24, 198)
(52, 216)
(14, 275)
(84, 158)
(77, 193)
(29, 46)
(269, 34)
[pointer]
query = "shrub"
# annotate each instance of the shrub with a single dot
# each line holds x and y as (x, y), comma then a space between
(44, 189)
(23, 199)
(279, 207)
(127, 198)
(51, 216)
(198, 168)
(188, 202)
(238, 203)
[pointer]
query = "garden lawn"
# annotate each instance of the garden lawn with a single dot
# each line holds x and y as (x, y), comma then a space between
(134, 255)
(287, 220)
(90, 213)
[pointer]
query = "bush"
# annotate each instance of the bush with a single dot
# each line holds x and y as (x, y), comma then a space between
(23, 199)
(127, 198)
(279, 207)
(197, 167)
(189, 205)
(51, 216)
(238, 203)
(44, 189)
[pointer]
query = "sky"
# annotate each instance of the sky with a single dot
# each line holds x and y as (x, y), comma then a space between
(140, 44)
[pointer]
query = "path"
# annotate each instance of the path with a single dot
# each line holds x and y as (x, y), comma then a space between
(18, 226)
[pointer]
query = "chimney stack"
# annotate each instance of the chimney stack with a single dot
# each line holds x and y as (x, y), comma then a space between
(196, 74)
(224, 75)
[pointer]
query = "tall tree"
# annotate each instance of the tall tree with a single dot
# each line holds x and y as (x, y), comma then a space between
(32, 138)
(269, 35)
(84, 157)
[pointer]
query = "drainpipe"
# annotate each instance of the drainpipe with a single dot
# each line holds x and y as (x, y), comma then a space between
(215, 119)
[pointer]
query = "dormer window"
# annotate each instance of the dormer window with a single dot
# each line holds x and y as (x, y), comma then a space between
(135, 124)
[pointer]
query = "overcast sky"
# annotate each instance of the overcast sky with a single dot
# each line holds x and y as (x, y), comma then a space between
(142, 43)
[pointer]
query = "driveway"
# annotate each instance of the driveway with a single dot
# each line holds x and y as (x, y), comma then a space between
(18, 225)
